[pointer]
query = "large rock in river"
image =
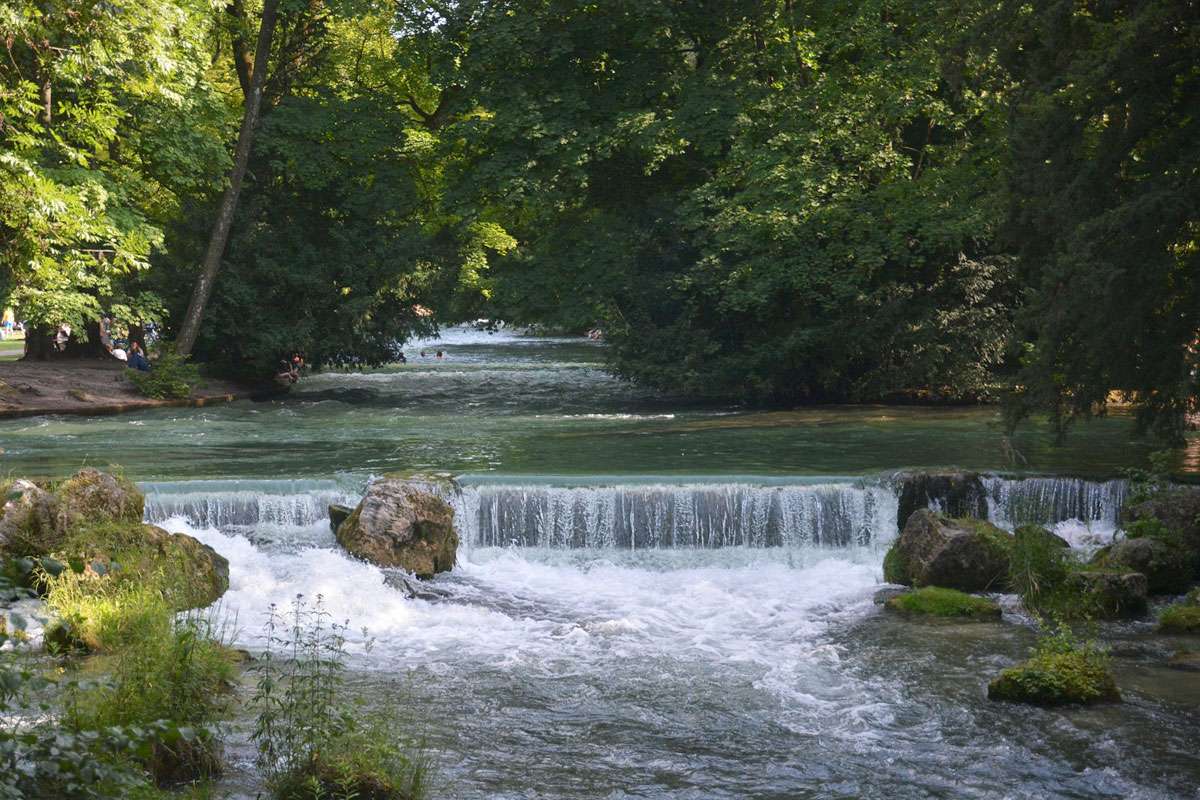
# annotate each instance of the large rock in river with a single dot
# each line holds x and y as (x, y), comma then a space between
(955, 494)
(402, 523)
(1109, 594)
(965, 554)
(1167, 566)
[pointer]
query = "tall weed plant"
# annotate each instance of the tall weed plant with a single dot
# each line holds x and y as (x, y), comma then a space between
(315, 741)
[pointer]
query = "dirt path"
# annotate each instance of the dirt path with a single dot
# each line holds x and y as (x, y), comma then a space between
(88, 387)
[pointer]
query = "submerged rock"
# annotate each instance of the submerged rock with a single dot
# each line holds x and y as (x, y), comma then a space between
(966, 554)
(1188, 662)
(1166, 566)
(1056, 679)
(887, 593)
(955, 494)
(1109, 594)
(934, 601)
(402, 523)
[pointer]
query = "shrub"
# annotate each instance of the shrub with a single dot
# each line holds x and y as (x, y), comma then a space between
(1061, 671)
(1038, 571)
(938, 602)
(1179, 618)
(171, 377)
(313, 740)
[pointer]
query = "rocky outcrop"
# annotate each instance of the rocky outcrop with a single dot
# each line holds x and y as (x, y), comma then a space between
(404, 523)
(1109, 594)
(92, 497)
(29, 520)
(955, 494)
(965, 554)
(1166, 566)
(92, 521)
(1177, 509)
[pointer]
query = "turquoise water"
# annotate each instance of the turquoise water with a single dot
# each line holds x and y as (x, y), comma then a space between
(499, 403)
(652, 600)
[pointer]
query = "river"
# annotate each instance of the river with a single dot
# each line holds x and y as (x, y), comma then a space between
(653, 600)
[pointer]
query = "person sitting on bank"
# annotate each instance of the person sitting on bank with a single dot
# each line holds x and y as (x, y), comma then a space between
(136, 358)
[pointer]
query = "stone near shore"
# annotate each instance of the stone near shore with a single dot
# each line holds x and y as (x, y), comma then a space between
(402, 523)
(93, 522)
(29, 520)
(1166, 566)
(1109, 594)
(965, 554)
(1186, 662)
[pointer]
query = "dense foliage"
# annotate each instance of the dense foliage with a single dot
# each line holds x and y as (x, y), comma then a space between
(762, 200)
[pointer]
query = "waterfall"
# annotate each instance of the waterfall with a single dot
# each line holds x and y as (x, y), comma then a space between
(837, 513)
(1013, 502)
(661, 516)
(246, 503)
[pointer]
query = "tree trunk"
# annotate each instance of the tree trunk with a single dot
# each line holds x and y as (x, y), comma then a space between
(47, 101)
(243, 59)
(39, 343)
(92, 348)
(220, 233)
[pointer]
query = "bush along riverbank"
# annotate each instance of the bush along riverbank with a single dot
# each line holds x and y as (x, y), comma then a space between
(128, 693)
(1157, 555)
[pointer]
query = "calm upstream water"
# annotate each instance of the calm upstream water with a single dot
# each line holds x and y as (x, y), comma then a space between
(654, 601)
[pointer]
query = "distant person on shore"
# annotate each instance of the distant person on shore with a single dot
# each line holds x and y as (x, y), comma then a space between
(136, 358)
(118, 352)
(403, 359)
(62, 337)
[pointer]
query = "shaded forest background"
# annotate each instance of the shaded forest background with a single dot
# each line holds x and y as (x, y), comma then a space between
(774, 202)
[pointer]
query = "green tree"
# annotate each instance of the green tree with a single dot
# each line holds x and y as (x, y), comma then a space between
(107, 120)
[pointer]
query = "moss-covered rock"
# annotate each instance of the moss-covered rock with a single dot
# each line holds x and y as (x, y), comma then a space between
(189, 574)
(337, 515)
(934, 601)
(1166, 565)
(90, 497)
(29, 520)
(404, 524)
(1042, 536)
(1056, 679)
(1177, 512)
(966, 554)
(1105, 594)
(957, 494)
(1179, 618)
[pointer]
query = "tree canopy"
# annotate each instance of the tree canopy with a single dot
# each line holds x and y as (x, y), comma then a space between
(760, 200)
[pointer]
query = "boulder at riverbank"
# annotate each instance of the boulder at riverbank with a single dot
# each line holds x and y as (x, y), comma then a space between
(92, 523)
(1167, 566)
(403, 523)
(933, 550)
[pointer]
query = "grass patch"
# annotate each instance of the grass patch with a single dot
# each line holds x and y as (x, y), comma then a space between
(934, 601)
(1062, 671)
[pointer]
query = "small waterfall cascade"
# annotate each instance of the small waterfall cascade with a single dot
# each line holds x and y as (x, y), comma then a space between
(1013, 502)
(246, 503)
(663, 516)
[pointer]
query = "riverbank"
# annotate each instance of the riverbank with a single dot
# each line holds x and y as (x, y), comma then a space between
(91, 388)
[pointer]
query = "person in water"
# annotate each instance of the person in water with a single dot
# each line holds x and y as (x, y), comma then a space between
(439, 353)
(137, 358)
